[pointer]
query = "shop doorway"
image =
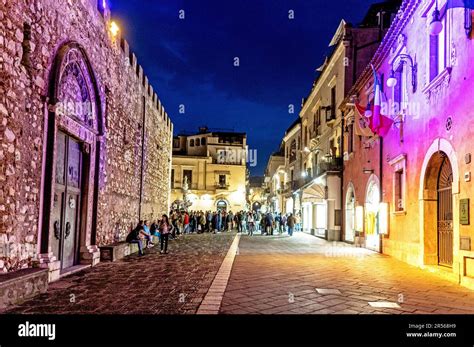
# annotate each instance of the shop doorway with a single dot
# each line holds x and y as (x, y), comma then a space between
(350, 215)
(221, 206)
(445, 214)
(372, 203)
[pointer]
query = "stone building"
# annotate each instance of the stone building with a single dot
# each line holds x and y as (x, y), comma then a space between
(322, 123)
(412, 188)
(275, 181)
(292, 179)
(85, 143)
(214, 164)
(256, 197)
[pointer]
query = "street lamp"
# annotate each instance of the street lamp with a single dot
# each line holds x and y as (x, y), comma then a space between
(436, 26)
(404, 58)
(368, 110)
(392, 81)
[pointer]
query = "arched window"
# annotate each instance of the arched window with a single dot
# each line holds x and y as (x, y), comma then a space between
(191, 143)
(198, 142)
(203, 141)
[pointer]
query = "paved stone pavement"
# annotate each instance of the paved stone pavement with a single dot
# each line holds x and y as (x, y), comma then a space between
(280, 275)
(153, 284)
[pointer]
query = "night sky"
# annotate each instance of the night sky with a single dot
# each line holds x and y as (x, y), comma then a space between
(190, 62)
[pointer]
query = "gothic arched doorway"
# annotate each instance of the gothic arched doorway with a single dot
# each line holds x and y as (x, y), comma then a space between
(350, 214)
(445, 213)
(221, 205)
(74, 127)
(438, 228)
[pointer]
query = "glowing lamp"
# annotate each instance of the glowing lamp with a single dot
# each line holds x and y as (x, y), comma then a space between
(392, 81)
(383, 218)
(114, 29)
(436, 26)
(368, 110)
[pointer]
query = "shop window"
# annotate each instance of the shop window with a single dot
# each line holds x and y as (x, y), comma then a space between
(293, 151)
(222, 181)
(437, 49)
(399, 203)
(333, 102)
(189, 175)
(350, 135)
(399, 183)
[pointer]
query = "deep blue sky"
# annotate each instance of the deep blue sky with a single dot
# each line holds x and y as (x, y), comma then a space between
(191, 61)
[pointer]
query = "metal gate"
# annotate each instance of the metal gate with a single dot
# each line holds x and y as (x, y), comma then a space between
(445, 214)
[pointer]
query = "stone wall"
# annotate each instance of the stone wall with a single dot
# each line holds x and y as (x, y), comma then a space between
(31, 34)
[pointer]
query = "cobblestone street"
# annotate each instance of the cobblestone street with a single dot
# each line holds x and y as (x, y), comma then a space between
(270, 275)
(280, 275)
(153, 284)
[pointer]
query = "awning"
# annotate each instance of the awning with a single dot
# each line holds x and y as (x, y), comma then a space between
(314, 193)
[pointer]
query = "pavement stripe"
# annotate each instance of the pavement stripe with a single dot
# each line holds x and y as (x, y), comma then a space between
(213, 299)
(328, 291)
(384, 304)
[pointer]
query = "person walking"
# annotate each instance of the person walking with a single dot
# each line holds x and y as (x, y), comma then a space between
(251, 223)
(185, 222)
(291, 224)
(283, 224)
(165, 229)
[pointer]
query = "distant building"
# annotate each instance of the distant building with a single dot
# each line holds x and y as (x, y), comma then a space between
(214, 163)
(274, 181)
(256, 197)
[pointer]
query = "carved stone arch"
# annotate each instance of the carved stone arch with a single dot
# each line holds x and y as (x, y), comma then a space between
(72, 153)
(349, 213)
(72, 68)
(439, 155)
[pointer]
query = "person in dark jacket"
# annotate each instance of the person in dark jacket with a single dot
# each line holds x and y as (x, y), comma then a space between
(136, 236)
(291, 221)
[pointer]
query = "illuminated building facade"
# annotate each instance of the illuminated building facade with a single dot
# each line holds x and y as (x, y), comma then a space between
(214, 164)
(409, 193)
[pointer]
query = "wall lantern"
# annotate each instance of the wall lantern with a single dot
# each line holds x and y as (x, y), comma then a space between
(436, 26)
(404, 59)
(114, 29)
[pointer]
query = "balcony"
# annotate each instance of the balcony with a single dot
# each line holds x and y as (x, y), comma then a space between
(222, 186)
(333, 165)
(330, 117)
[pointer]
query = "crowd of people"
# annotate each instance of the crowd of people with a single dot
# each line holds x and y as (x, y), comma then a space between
(189, 222)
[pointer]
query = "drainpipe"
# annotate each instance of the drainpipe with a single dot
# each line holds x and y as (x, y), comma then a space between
(342, 237)
(381, 185)
(142, 173)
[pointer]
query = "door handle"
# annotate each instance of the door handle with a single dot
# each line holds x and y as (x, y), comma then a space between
(68, 230)
(56, 230)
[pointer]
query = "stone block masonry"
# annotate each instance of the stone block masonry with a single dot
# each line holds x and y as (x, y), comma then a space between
(85, 142)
